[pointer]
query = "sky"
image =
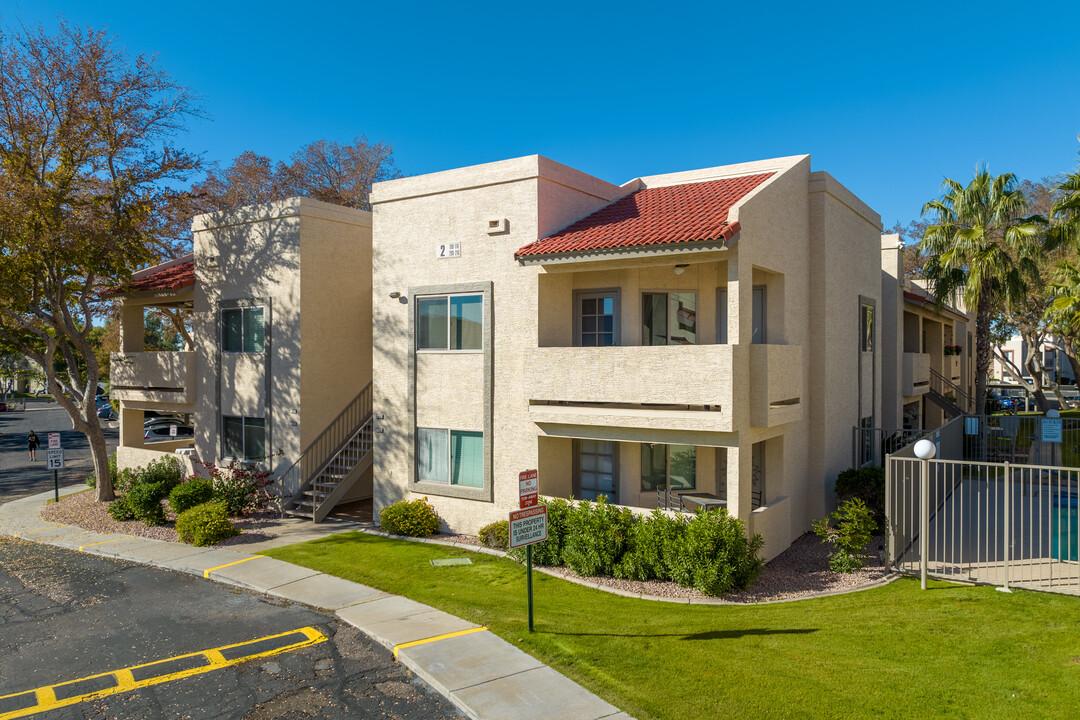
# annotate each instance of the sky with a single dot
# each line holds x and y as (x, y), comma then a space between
(889, 98)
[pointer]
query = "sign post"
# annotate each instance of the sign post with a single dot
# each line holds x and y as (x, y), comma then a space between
(528, 526)
(54, 460)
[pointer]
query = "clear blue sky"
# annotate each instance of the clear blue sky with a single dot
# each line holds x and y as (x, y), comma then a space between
(888, 97)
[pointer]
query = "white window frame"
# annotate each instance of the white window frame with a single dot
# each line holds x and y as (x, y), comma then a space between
(447, 350)
(450, 457)
(242, 310)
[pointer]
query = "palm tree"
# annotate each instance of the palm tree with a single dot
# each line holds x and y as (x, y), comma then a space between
(982, 248)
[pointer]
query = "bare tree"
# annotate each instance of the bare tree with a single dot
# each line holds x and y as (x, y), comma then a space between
(87, 178)
(323, 170)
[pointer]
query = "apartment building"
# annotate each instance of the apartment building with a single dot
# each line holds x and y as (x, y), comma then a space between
(929, 350)
(703, 338)
(278, 364)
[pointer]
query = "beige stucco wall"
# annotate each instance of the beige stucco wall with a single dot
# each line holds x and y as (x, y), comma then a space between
(306, 262)
(335, 318)
(845, 264)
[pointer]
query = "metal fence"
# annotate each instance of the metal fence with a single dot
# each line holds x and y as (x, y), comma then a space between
(1000, 523)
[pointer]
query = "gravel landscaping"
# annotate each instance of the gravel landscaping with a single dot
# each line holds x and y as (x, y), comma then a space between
(84, 511)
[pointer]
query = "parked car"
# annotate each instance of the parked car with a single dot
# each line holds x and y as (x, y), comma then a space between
(106, 412)
(160, 430)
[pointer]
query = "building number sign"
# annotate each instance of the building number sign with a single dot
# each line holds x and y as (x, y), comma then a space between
(448, 250)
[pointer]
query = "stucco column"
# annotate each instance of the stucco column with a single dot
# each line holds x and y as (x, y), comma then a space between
(739, 476)
(132, 331)
(131, 427)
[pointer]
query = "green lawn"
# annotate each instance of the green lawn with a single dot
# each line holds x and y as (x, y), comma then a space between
(955, 651)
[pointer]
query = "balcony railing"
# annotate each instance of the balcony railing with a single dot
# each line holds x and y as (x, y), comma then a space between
(153, 377)
(915, 374)
(776, 380)
(686, 387)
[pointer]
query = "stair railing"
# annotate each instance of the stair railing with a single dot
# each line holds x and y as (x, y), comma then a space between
(323, 448)
(944, 387)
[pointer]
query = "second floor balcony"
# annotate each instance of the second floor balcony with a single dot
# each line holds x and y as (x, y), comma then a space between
(915, 374)
(153, 377)
(684, 387)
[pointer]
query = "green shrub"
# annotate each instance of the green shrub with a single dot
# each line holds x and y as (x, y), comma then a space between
(188, 494)
(866, 484)
(496, 535)
(655, 542)
(550, 551)
(91, 481)
(597, 535)
(120, 511)
(415, 518)
(144, 500)
(853, 530)
(716, 556)
(165, 470)
(242, 488)
(205, 524)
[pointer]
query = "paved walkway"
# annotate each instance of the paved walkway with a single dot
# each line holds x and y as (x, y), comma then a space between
(486, 677)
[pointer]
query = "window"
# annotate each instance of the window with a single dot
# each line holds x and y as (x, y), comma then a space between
(759, 331)
(669, 319)
(450, 457)
(866, 321)
(597, 324)
(242, 330)
(595, 463)
(244, 437)
(450, 322)
(673, 465)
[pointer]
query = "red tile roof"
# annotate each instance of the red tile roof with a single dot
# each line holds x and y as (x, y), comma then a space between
(926, 300)
(691, 212)
(171, 275)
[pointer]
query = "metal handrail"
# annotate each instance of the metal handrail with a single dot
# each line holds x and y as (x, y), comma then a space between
(943, 382)
(336, 435)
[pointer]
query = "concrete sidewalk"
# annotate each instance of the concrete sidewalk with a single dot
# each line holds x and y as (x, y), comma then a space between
(486, 677)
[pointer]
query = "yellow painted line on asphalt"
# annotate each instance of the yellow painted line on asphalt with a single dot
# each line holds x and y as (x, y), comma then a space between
(214, 659)
(102, 542)
(425, 641)
(206, 573)
(31, 532)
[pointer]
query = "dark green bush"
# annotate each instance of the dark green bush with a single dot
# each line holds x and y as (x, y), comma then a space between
(415, 518)
(205, 524)
(119, 510)
(144, 500)
(550, 551)
(496, 535)
(866, 484)
(164, 470)
(597, 535)
(655, 542)
(716, 555)
(852, 533)
(188, 494)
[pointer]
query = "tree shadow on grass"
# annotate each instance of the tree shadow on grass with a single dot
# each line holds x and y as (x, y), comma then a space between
(710, 635)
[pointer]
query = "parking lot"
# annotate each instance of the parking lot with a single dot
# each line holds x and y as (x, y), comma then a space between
(18, 476)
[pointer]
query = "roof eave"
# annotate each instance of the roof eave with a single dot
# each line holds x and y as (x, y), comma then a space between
(727, 240)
